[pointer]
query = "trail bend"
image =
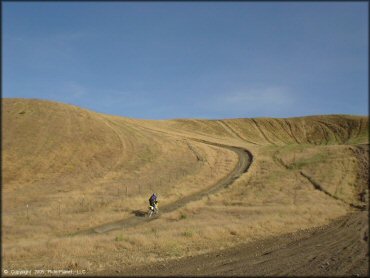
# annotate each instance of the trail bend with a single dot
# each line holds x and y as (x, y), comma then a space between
(245, 159)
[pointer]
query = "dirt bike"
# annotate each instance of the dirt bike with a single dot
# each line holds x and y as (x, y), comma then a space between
(153, 210)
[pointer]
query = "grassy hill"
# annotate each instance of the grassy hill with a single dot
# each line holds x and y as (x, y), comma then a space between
(76, 169)
(317, 130)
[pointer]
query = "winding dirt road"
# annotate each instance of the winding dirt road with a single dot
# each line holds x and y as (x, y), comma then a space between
(339, 248)
(244, 161)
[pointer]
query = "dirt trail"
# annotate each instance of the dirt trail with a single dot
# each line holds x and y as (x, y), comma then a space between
(339, 248)
(245, 160)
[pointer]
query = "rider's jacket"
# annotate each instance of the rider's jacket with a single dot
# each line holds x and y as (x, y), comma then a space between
(152, 200)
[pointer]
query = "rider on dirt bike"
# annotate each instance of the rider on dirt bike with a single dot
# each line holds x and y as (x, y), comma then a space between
(153, 200)
(153, 207)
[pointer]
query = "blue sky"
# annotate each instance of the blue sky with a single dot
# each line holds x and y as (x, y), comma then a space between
(190, 60)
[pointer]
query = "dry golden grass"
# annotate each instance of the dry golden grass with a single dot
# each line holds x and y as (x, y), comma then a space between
(124, 166)
(334, 167)
(72, 167)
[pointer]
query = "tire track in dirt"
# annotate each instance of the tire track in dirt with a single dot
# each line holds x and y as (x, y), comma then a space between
(291, 131)
(314, 183)
(262, 133)
(325, 138)
(339, 248)
(227, 127)
(359, 128)
(361, 152)
(192, 149)
(108, 123)
(330, 131)
(317, 186)
(244, 162)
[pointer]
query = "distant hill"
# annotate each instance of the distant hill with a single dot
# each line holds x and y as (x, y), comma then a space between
(50, 140)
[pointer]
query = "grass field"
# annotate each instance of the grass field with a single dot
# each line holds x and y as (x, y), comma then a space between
(67, 169)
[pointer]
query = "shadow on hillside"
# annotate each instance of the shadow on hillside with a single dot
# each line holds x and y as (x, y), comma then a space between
(139, 213)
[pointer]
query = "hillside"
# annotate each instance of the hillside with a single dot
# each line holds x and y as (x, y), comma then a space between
(68, 169)
(55, 151)
(316, 130)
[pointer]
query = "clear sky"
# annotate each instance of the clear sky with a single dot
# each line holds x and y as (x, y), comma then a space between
(190, 60)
